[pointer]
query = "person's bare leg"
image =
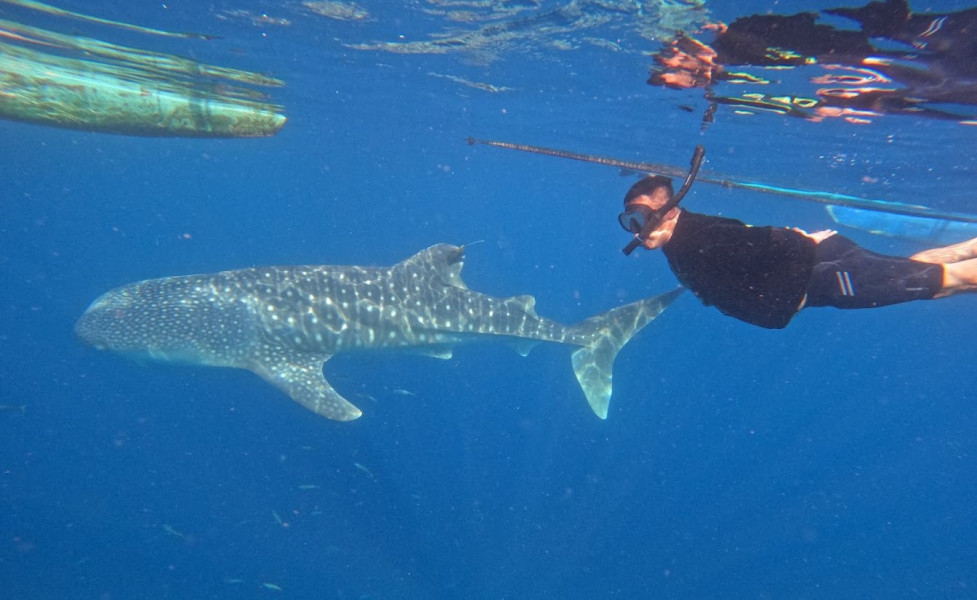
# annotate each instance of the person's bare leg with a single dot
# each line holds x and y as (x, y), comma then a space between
(959, 277)
(948, 254)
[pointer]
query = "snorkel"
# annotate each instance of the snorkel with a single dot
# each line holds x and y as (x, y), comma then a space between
(655, 217)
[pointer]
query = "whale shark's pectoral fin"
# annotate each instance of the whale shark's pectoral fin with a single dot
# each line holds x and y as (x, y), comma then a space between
(300, 376)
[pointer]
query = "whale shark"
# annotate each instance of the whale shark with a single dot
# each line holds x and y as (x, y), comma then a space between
(283, 323)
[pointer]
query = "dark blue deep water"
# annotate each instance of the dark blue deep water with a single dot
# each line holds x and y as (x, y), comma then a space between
(836, 458)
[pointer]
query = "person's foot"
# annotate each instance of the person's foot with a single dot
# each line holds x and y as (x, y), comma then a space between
(959, 277)
(948, 254)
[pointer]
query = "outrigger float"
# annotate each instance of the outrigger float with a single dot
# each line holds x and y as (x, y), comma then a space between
(123, 90)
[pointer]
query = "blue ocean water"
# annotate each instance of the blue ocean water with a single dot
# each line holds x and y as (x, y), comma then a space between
(834, 458)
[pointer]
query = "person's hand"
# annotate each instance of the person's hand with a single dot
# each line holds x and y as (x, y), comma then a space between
(817, 236)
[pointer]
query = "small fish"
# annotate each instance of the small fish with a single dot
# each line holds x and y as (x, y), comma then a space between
(270, 586)
(478, 85)
(278, 519)
(20, 409)
(363, 468)
(308, 486)
(233, 580)
(169, 529)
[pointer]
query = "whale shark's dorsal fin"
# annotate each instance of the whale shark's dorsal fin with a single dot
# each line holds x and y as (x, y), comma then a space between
(525, 302)
(441, 262)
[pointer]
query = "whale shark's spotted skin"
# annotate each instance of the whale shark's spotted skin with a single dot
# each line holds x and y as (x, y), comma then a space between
(283, 323)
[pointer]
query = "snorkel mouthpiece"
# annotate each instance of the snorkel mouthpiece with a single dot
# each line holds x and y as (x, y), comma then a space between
(632, 245)
(654, 219)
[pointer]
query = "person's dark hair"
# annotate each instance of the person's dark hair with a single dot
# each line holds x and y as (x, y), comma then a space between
(647, 186)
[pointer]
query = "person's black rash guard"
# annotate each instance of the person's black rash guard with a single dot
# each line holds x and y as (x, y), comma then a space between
(755, 274)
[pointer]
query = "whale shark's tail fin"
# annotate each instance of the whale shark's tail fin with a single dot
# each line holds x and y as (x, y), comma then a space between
(611, 331)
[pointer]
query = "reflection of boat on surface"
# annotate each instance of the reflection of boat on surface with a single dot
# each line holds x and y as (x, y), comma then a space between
(897, 62)
(82, 83)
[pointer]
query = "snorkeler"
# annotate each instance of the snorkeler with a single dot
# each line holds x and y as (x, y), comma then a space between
(766, 275)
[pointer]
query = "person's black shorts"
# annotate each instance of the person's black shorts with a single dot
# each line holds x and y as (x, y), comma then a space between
(848, 276)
